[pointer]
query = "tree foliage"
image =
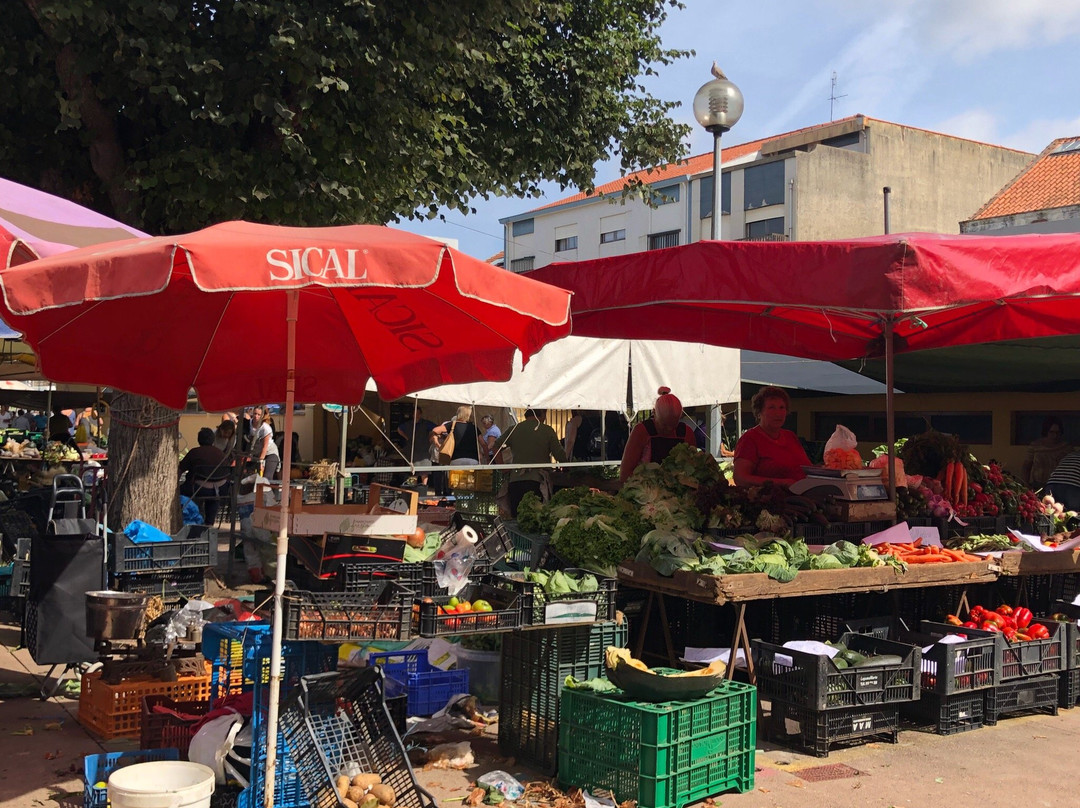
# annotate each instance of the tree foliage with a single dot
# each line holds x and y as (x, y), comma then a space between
(175, 114)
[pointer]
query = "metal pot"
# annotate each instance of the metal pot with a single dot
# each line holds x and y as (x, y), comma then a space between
(114, 615)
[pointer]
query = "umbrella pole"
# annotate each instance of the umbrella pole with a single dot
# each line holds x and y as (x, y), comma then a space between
(343, 438)
(890, 409)
(282, 550)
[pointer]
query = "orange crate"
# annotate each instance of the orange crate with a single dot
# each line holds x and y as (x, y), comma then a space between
(115, 711)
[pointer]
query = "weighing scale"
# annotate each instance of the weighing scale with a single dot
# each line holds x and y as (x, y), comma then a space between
(853, 485)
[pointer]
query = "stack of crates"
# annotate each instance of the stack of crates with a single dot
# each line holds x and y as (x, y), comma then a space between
(535, 665)
(954, 680)
(1026, 673)
(115, 710)
(239, 656)
(816, 704)
(429, 688)
(172, 570)
(663, 755)
(1069, 678)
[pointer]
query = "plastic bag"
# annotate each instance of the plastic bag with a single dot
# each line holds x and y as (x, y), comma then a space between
(213, 743)
(142, 532)
(841, 450)
(189, 511)
(503, 783)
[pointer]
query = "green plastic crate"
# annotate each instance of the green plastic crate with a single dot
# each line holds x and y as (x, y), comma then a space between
(663, 755)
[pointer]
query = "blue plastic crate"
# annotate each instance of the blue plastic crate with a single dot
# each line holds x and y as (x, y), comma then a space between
(429, 687)
(239, 657)
(97, 768)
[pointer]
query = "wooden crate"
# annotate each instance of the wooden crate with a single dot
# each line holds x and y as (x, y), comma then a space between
(306, 519)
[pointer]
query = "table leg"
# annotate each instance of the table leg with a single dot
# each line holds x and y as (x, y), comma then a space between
(741, 640)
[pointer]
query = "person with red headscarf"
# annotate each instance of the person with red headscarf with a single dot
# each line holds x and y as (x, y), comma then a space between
(652, 439)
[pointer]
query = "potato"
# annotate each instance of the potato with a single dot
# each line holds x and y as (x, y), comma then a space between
(356, 794)
(385, 794)
(348, 803)
(366, 781)
(343, 782)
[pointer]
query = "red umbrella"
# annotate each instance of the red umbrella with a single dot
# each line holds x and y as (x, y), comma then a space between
(13, 250)
(248, 313)
(832, 300)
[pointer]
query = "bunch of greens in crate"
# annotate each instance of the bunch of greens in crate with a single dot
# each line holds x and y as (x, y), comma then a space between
(559, 583)
(780, 559)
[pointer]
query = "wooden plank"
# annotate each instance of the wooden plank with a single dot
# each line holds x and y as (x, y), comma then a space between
(1036, 563)
(643, 576)
(744, 587)
(308, 523)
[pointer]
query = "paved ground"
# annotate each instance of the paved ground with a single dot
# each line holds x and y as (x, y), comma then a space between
(1023, 762)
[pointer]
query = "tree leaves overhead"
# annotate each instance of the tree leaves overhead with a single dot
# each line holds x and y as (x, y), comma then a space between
(175, 115)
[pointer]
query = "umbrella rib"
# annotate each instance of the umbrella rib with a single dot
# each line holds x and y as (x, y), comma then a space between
(210, 341)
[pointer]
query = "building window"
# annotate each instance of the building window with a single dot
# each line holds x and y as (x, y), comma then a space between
(765, 228)
(523, 264)
(707, 194)
(665, 195)
(1029, 425)
(848, 141)
(658, 241)
(612, 235)
(763, 185)
(564, 244)
(523, 228)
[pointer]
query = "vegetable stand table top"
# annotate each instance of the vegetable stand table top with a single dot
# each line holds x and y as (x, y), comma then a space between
(743, 588)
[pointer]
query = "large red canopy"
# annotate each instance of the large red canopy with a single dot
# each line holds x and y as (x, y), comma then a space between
(832, 300)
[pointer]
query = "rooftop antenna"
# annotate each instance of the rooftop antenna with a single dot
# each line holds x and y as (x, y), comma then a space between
(833, 97)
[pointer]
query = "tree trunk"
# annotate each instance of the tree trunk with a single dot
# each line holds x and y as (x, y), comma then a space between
(143, 456)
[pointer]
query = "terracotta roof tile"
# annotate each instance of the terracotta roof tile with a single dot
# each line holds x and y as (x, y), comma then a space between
(1051, 181)
(499, 256)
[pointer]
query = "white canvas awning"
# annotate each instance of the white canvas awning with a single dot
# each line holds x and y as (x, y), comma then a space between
(588, 373)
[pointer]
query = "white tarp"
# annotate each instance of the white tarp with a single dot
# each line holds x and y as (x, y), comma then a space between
(588, 373)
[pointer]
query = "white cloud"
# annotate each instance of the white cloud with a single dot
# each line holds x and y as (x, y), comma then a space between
(1037, 133)
(969, 29)
(974, 124)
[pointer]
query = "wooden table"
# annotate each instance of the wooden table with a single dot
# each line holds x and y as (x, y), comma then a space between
(742, 589)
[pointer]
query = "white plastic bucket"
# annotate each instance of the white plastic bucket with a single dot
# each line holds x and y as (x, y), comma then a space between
(162, 784)
(484, 668)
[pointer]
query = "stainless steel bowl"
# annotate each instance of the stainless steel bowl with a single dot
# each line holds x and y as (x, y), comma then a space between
(112, 615)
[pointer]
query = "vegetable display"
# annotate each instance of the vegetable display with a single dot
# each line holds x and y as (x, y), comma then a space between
(916, 553)
(1013, 622)
(558, 583)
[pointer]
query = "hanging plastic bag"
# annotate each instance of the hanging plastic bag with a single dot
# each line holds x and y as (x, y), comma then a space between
(841, 450)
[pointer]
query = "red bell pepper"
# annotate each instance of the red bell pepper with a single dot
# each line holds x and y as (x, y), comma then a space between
(1010, 633)
(1022, 616)
(975, 613)
(993, 627)
(953, 620)
(992, 617)
(1004, 609)
(1038, 631)
(969, 624)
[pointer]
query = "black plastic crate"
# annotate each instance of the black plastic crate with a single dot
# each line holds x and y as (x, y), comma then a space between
(1069, 689)
(948, 715)
(814, 682)
(828, 613)
(1016, 660)
(1032, 694)
(816, 731)
(550, 560)
(382, 611)
(420, 578)
(534, 668)
(1070, 638)
(538, 608)
(505, 614)
(974, 526)
(337, 718)
(527, 546)
(884, 628)
(172, 588)
(194, 547)
(959, 667)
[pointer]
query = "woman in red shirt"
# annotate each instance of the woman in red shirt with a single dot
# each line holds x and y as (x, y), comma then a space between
(768, 452)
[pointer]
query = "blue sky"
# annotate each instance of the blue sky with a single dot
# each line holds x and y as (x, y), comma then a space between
(998, 71)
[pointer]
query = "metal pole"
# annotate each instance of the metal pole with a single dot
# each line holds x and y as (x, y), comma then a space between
(343, 439)
(890, 409)
(885, 195)
(717, 197)
(292, 307)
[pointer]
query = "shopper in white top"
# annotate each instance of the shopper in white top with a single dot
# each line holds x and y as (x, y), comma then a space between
(263, 449)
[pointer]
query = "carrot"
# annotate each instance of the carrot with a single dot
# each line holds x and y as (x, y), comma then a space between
(955, 555)
(927, 559)
(947, 482)
(965, 484)
(958, 483)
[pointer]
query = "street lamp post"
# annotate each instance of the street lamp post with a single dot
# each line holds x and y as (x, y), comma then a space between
(718, 105)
